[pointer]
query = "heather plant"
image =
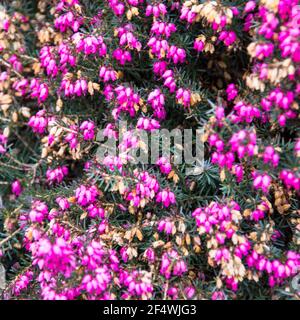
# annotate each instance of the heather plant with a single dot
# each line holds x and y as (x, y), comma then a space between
(74, 225)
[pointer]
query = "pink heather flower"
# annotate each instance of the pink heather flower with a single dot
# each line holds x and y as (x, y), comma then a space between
(123, 253)
(248, 22)
(48, 61)
(178, 55)
(159, 67)
(6, 25)
(250, 6)
(169, 82)
(99, 283)
(39, 122)
(163, 28)
(262, 181)
(290, 179)
(190, 292)
(15, 62)
(242, 249)
(276, 235)
(63, 203)
(210, 217)
(232, 284)
(57, 257)
(269, 26)
(164, 165)
(56, 175)
(88, 128)
(102, 228)
(231, 91)
(220, 237)
(127, 38)
(110, 131)
(4, 76)
(71, 138)
(66, 21)
(117, 6)
(172, 292)
(271, 156)
(264, 50)
(228, 37)
(86, 195)
(129, 141)
(175, 6)
(282, 120)
(22, 282)
(38, 212)
(183, 96)
(16, 188)
(282, 99)
(147, 124)
(158, 47)
(84, 265)
(145, 190)
(238, 171)
(53, 214)
(106, 74)
(187, 14)
(21, 86)
(156, 10)
(220, 113)
(166, 226)
(165, 267)
(66, 57)
(39, 90)
(95, 212)
(108, 92)
(276, 270)
(90, 44)
(243, 143)
(137, 283)
(222, 255)
(166, 197)
(77, 88)
(157, 101)
(218, 295)
(179, 268)
(244, 113)
(215, 141)
(149, 254)
(113, 163)
(217, 25)
(223, 160)
(3, 142)
(122, 56)
(257, 215)
(127, 99)
(199, 45)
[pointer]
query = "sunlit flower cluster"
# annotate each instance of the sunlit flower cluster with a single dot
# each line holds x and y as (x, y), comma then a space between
(92, 227)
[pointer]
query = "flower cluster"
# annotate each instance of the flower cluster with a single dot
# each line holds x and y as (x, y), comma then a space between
(87, 213)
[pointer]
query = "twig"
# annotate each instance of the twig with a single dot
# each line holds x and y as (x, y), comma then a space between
(26, 165)
(6, 64)
(10, 166)
(166, 290)
(28, 57)
(9, 237)
(26, 144)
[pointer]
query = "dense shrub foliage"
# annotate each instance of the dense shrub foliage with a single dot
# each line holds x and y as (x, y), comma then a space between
(73, 226)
